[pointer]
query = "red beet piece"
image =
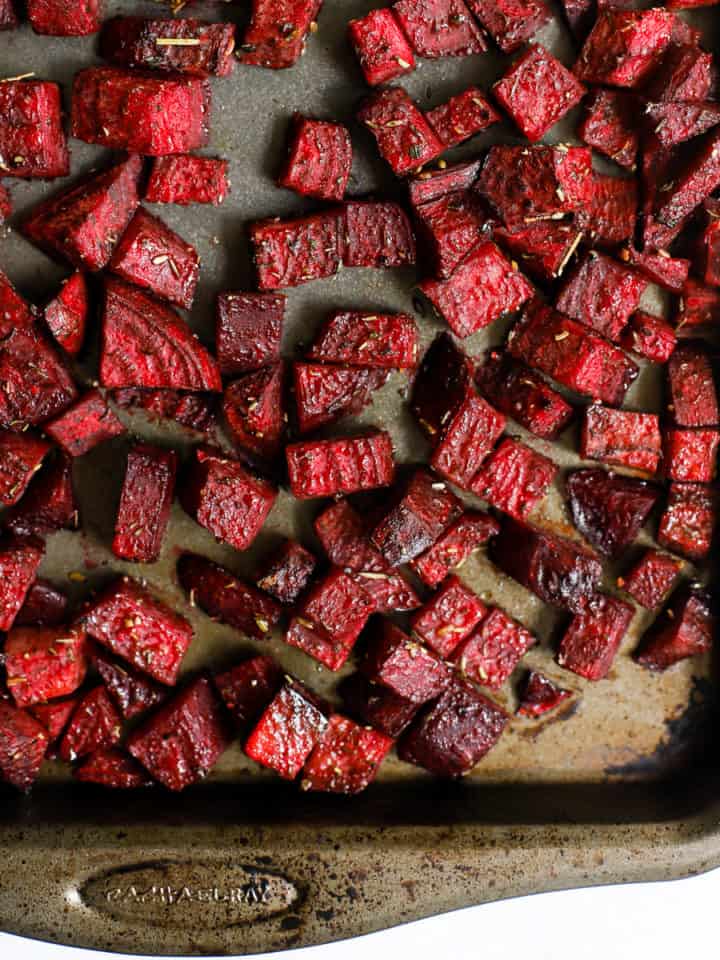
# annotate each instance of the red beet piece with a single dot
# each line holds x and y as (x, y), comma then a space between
(248, 330)
(248, 688)
(439, 28)
(693, 397)
(140, 111)
(128, 620)
(35, 384)
(540, 695)
(698, 309)
(86, 424)
(691, 454)
(224, 597)
(325, 393)
(21, 456)
(319, 159)
(225, 498)
(624, 47)
(621, 437)
(288, 572)
(650, 337)
(453, 547)
(290, 252)
(48, 505)
(112, 768)
(609, 509)
(652, 578)
(448, 617)
(15, 311)
(514, 478)
(57, 18)
(147, 344)
(188, 179)
(673, 123)
(23, 744)
(8, 17)
(94, 725)
(544, 248)
(377, 706)
(612, 215)
(658, 266)
(431, 184)
(181, 742)
(441, 384)
(384, 340)
(145, 502)
(131, 692)
(462, 116)
(44, 606)
(688, 521)
(83, 223)
(467, 439)
(685, 73)
(66, 314)
(43, 663)
(381, 46)
(346, 759)
(451, 226)
(609, 126)
(511, 22)
(454, 733)
(377, 235)
(592, 639)
(253, 408)
(54, 716)
(685, 630)
(709, 246)
(139, 42)
(193, 410)
(32, 138)
(491, 653)
(404, 666)
(287, 731)
(326, 468)
(602, 294)
(277, 32)
(404, 137)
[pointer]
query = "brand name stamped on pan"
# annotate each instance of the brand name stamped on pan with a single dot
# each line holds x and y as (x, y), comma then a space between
(255, 892)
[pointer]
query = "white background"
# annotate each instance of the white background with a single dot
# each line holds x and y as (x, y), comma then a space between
(661, 921)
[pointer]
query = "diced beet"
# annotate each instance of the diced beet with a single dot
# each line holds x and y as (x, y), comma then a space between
(23, 744)
(44, 606)
(589, 644)
(462, 116)
(148, 344)
(57, 18)
(390, 592)
(182, 741)
(691, 454)
(346, 758)
(319, 159)
(248, 688)
(43, 663)
(326, 468)
(491, 653)
(54, 717)
(684, 630)
(154, 257)
(15, 311)
(187, 179)
(94, 725)
(83, 223)
(35, 383)
(441, 384)
(540, 695)
(112, 768)
(404, 667)
(431, 184)
(709, 246)
(253, 408)
(673, 123)
(544, 247)
(32, 138)
(688, 520)
(685, 73)
(698, 309)
(651, 579)
(248, 330)
(145, 501)
(650, 337)
(131, 692)
(21, 456)
(693, 396)
(381, 46)
(609, 126)
(288, 572)
(140, 111)
(514, 478)
(325, 393)
(404, 137)
(511, 22)
(66, 314)
(439, 28)
(140, 42)
(611, 218)
(277, 32)
(668, 272)
(448, 617)
(86, 424)
(451, 226)
(8, 17)
(224, 597)
(128, 620)
(196, 411)
(287, 253)
(454, 546)
(287, 731)
(621, 437)
(225, 498)
(602, 294)
(49, 503)
(376, 235)
(454, 733)
(624, 46)
(467, 439)
(377, 706)
(385, 340)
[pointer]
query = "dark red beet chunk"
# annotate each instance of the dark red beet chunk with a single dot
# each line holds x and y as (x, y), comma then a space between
(226, 598)
(346, 759)
(43, 663)
(8, 18)
(112, 768)
(248, 330)
(454, 733)
(32, 139)
(544, 247)
(131, 692)
(609, 509)
(610, 128)
(668, 272)
(650, 337)
(86, 424)
(287, 731)
(621, 437)
(145, 502)
(225, 498)
(376, 235)
(248, 688)
(451, 226)
(19, 561)
(288, 572)
(454, 546)
(448, 617)
(624, 46)
(193, 410)
(691, 454)
(137, 42)
(431, 184)
(709, 246)
(253, 408)
(23, 744)
(94, 725)
(377, 706)
(128, 620)
(514, 478)
(325, 468)
(462, 116)
(319, 159)
(277, 32)
(83, 223)
(57, 18)
(404, 667)
(381, 46)
(685, 630)
(404, 137)
(685, 73)
(698, 309)
(439, 28)
(140, 111)
(181, 742)
(385, 340)
(688, 521)
(673, 123)
(325, 393)
(55, 716)
(611, 217)
(21, 456)
(467, 439)
(48, 505)
(147, 344)
(593, 637)
(15, 311)
(66, 314)
(44, 606)
(188, 179)
(491, 653)
(35, 384)
(602, 294)
(652, 578)
(693, 396)
(290, 252)
(511, 22)
(540, 696)
(441, 384)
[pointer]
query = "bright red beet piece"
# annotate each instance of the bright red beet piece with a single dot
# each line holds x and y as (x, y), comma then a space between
(86, 424)
(138, 42)
(248, 330)
(288, 572)
(448, 617)
(673, 123)
(592, 639)
(609, 126)
(652, 578)
(325, 393)
(377, 706)
(35, 384)
(128, 620)
(32, 138)
(462, 116)
(188, 179)
(544, 248)
(49, 503)
(66, 314)
(287, 731)
(181, 742)
(692, 393)
(384, 340)
(277, 32)
(290, 252)
(612, 215)
(112, 768)
(57, 18)
(225, 498)
(685, 73)
(624, 47)
(94, 725)
(44, 606)
(491, 653)
(377, 235)
(381, 46)
(467, 440)
(511, 22)
(18, 565)
(23, 744)
(621, 437)
(325, 468)
(650, 337)
(248, 688)
(441, 384)
(431, 184)
(196, 411)
(54, 717)
(8, 17)
(439, 28)
(253, 408)
(453, 547)
(540, 696)
(145, 501)
(451, 226)
(131, 692)
(688, 521)
(685, 630)
(404, 137)
(602, 294)
(609, 509)
(319, 159)
(21, 456)
(691, 454)
(698, 309)
(514, 478)
(668, 272)
(403, 666)
(43, 663)
(15, 311)
(346, 759)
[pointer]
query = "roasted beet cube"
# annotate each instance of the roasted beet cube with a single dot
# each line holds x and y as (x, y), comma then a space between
(610, 128)
(19, 561)
(589, 644)
(287, 731)
(44, 606)
(253, 408)
(290, 252)
(288, 572)
(540, 695)
(441, 384)
(112, 768)
(684, 630)
(462, 116)
(94, 725)
(128, 620)
(544, 248)
(650, 337)
(404, 666)
(439, 28)
(137, 42)
(609, 509)
(376, 235)
(55, 716)
(698, 309)
(23, 744)
(685, 73)
(188, 179)
(693, 397)
(248, 688)
(21, 456)
(66, 314)
(319, 159)
(514, 478)
(611, 217)
(451, 226)
(49, 503)
(83, 223)
(43, 663)
(491, 653)
(688, 521)
(652, 578)
(448, 617)
(385, 340)
(621, 437)
(57, 18)
(377, 706)
(624, 46)
(511, 22)
(602, 294)
(325, 393)
(277, 32)
(381, 46)
(453, 547)
(668, 272)
(140, 111)
(35, 383)
(131, 692)
(84, 425)
(467, 439)
(183, 740)
(404, 137)
(226, 598)
(248, 330)
(691, 454)
(196, 411)
(8, 17)
(431, 184)
(148, 344)
(32, 139)
(145, 502)
(225, 498)
(673, 123)
(326, 468)
(15, 311)
(346, 759)
(455, 732)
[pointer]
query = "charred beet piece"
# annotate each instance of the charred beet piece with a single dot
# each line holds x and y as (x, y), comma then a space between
(624, 47)
(253, 408)
(448, 617)
(668, 272)
(612, 215)
(346, 759)
(685, 73)
(140, 111)
(325, 393)
(287, 731)
(326, 468)
(377, 706)
(688, 521)
(48, 505)
(181, 742)
(43, 663)
(467, 439)
(288, 572)
(609, 127)
(698, 309)
(462, 116)
(514, 478)
(621, 437)
(128, 620)
(441, 385)
(385, 340)
(609, 509)
(591, 641)
(248, 330)
(439, 28)
(491, 653)
(145, 502)
(684, 630)
(83, 223)
(44, 606)
(455, 732)
(32, 139)
(290, 252)
(693, 396)
(381, 46)
(248, 688)
(377, 235)
(602, 294)
(691, 454)
(113, 769)
(277, 32)
(544, 247)
(86, 424)
(131, 692)
(196, 411)
(94, 725)
(66, 314)
(55, 716)
(56, 18)
(147, 344)
(23, 744)
(21, 456)
(404, 667)
(431, 184)
(35, 384)
(225, 498)
(651, 579)
(8, 17)
(650, 337)
(540, 696)
(451, 225)
(137, 42)
(673, 123)
(319, 159)
(188, 179)
(511, 22)
(452, 548)
(404, 137)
